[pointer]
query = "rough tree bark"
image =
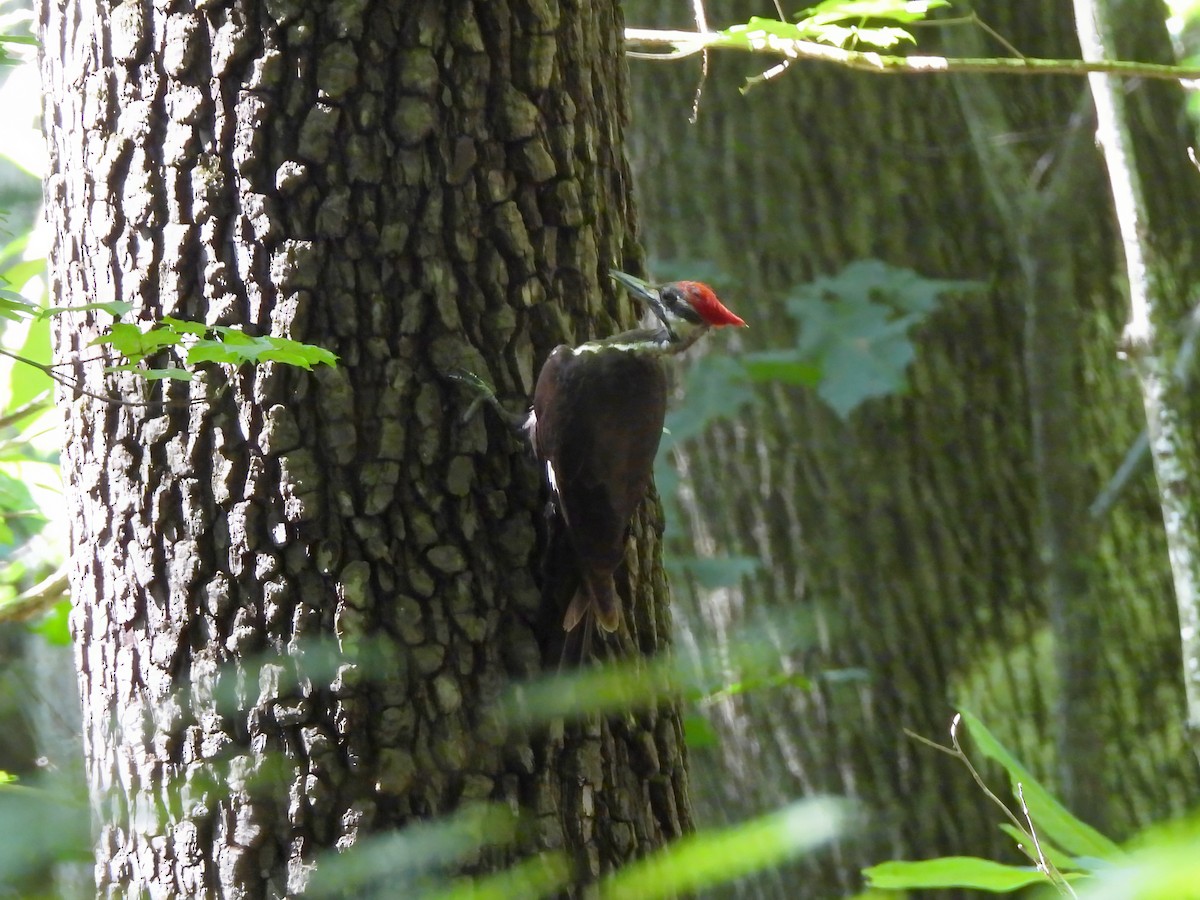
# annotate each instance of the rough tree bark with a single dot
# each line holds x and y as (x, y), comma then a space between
(418, 187)
(940, 542)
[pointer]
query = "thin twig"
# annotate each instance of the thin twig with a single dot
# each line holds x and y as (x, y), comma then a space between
(970, 19)
(1043, 865)
(987, 791)
(74, 385)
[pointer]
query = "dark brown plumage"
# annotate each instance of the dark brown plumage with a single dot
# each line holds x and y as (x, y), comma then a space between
(596, 424)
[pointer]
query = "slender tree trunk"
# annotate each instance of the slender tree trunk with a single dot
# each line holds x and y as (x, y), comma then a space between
(298, 595)
(939, 543)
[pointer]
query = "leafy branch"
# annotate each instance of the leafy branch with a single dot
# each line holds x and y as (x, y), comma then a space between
(1077, 847)
(205, 344)
(833, 32)
(199, 343)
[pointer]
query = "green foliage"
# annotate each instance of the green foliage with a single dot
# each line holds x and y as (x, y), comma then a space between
(716, 856)
(201, 343)
(15, 273)
(854, 344)
(841, 23)
(1055, 823)
(953, 871)
(413, 862)
(205, 344)
(1162, 864)
(16, 502)
(638, 683)
(1062, 847)
(855, 326)
(9, 39)
(421, 860)
(716, 387)
(13, 306)
(54, 626)
(698, 732)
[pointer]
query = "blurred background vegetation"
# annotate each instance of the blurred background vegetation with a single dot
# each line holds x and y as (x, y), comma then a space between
(43, 810)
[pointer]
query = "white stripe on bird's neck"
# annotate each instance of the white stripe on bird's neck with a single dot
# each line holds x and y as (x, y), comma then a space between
(647, 341)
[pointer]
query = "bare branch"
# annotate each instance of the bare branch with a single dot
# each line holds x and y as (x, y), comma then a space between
(69, 382)
(1176, 466)
(38, 599)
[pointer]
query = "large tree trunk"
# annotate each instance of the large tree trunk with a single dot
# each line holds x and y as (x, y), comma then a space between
(940, 542)
(297, 596)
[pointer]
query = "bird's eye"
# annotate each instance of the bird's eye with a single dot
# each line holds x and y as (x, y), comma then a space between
(678, 304)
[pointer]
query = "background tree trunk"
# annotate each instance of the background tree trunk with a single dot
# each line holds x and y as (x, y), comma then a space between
(297, 596)
(939, 542)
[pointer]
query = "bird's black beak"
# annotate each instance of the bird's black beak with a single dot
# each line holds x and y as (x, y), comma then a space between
(644, 292)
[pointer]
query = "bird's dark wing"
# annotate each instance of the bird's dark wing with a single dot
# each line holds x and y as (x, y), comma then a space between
(599, 418)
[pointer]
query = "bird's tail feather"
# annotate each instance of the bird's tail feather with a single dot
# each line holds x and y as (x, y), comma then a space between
(597, 595)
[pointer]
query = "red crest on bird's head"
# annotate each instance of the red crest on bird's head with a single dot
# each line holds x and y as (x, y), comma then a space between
(705, 302)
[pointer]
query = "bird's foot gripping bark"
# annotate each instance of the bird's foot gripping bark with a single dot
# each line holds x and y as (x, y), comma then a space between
(485, 393)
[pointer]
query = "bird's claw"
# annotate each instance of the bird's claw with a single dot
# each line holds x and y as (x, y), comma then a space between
(470, 379)
(485, 393)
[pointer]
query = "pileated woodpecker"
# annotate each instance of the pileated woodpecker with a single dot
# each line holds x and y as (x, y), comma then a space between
(596, 422)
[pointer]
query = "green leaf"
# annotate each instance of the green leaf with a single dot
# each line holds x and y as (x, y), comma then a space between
(133, 343)
(115, 308)
(185, 326)
(863, 350)
(1049, 816)
(698, 731)
(952, 871)
(854, 327)
(716, 388)
(747, 685)
(757, 28)
(539, 876)
(29, 382)
(782, 367)
(14, 307)
(310, 353)
(15, 497)
(212, 351)
(852, 35)
(399, 857)
(173, 373)
(234, 347)
(716, 856)
(1162, 865)
(22, 271)
(840, 23)
(233, 336)
(54, 626)
(892, 10)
